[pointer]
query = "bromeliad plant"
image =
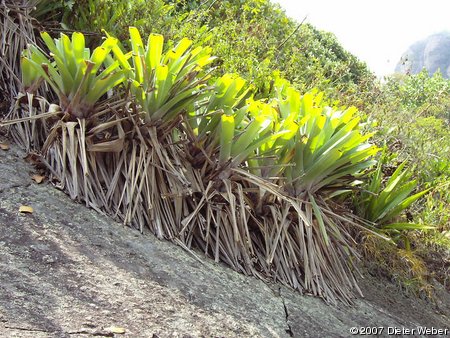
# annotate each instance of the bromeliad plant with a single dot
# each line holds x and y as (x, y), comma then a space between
(274, 166)
(78, 77)
(165, 84)
(225, 134)
(230, 129)
(320, 154)
(17, 30)
(75, 134)
(383, 200)
(326, 147)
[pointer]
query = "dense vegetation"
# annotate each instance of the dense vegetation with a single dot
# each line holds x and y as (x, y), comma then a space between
(269, 147)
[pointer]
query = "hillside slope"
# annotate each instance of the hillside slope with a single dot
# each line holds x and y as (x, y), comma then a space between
(68, 271)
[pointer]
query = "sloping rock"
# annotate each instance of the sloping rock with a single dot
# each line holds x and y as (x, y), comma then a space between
(432, 53)
(67, 271)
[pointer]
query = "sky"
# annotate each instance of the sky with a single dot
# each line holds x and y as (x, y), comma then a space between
(377, 32)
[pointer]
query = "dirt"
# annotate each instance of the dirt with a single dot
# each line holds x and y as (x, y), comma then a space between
(68, 271)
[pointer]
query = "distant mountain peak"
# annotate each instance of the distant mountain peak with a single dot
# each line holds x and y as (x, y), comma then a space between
(432, 53)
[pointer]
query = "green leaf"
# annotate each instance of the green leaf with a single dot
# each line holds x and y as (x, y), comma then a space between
(226, 138)
(407, 226)
(79, 46)
(319, 218)
(29, 72)
(154, 52)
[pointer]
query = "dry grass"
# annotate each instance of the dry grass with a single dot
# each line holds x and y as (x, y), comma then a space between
(123, 167)
(404, 267)
(16, 31)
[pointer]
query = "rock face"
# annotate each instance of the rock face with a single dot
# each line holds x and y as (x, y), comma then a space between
(432, 53)
(67, 271)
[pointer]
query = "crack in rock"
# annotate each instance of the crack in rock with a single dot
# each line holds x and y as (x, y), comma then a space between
(286, 312)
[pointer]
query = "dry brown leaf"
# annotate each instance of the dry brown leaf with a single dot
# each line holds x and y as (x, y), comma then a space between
(4, 146)
(32, 158)
(38, 178)
(26, 209)
(115, 329)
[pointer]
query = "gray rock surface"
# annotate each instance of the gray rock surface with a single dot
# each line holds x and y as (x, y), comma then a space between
(432, 53)
(67, 271)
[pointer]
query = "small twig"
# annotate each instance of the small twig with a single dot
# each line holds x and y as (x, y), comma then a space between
(63, 30)
(212, 4)
(26, 329)
(101, 333)
(290, 35)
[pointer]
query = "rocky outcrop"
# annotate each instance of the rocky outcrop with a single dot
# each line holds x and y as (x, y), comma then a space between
(432, 53)
(67, 271)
